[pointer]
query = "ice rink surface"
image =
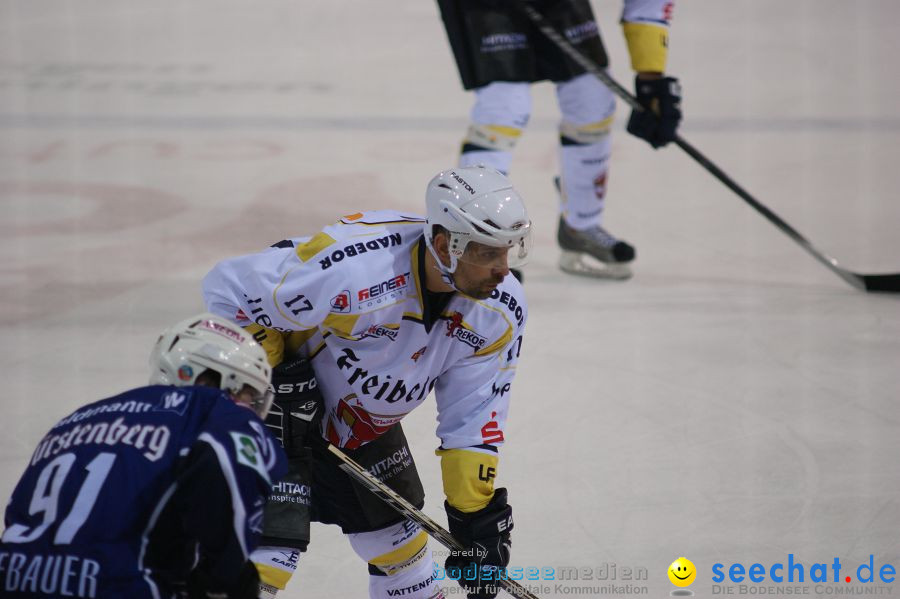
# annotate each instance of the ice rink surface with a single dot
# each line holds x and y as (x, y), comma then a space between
(734, 402)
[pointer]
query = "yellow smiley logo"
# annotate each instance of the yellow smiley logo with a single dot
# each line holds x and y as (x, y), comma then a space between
(682, 572)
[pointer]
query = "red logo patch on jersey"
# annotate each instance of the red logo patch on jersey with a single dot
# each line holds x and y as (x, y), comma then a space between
(667, 11)
(364, 425)
(384, 288)
(240, 315)
(415, 357)
(600, 186)
(341, 302)
(377, 330)
(454, 323)
(490, 432)
(456, 329)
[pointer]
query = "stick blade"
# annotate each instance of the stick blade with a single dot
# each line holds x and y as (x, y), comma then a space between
(882, 283)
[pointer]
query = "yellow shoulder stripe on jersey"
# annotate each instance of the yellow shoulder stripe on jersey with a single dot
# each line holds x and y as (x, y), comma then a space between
(294, 340)
(319, 241)
(273, 576)
(503, 340)
(648, 46)
(496, 345)
(353, 219)
(402, 554)
(271, 340)
(468, 477)
(414, 271)
(341, 324)
(391, 222)
(315, 351)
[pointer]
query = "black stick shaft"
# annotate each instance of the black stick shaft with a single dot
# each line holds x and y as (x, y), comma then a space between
(882, 282)
(828, 261)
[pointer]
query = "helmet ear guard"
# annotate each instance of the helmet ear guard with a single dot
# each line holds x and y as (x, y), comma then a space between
(476, 204)
(204, 342)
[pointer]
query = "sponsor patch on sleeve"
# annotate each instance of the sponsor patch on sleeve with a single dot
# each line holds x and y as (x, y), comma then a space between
(248, 453)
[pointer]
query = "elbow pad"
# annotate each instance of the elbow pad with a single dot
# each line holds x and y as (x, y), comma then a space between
(648, 46)
(468, 476)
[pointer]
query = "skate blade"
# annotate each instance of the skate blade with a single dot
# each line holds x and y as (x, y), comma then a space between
(582, 265)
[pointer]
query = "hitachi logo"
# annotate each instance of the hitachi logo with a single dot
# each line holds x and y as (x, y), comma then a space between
(290, 488)
(399, 457)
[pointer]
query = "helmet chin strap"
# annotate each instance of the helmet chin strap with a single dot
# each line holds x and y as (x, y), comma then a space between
(446, 272)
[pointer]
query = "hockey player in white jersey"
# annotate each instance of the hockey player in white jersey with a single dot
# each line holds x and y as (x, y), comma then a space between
(499, 53)
(386, 307)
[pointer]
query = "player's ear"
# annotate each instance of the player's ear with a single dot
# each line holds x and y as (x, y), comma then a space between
(441, 244)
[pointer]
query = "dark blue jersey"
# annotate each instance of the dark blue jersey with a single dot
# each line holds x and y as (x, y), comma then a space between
(128, 495)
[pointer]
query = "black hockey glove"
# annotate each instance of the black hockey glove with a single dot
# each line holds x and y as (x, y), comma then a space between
(485, 534)
(662, 100)
(297, 408)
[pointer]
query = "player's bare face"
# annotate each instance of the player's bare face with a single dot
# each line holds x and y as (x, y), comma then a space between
(480, 270)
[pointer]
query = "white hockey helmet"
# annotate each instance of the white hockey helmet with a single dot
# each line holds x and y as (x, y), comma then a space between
(477, 203)
(208, 342)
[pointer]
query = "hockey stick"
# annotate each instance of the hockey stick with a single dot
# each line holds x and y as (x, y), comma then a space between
(410, 511)
(872, 282)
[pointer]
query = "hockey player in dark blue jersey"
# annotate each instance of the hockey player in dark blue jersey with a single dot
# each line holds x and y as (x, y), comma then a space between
(157, 492)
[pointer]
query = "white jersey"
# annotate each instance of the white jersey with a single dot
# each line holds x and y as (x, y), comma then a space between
(655, 12)
(354, 295)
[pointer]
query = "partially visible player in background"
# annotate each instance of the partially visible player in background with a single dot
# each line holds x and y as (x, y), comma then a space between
(157, 492)
(500, 53)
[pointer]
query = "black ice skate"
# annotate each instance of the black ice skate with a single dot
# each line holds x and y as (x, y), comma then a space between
(593, 252)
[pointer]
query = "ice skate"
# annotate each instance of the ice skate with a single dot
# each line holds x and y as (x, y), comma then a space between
(593, 252)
